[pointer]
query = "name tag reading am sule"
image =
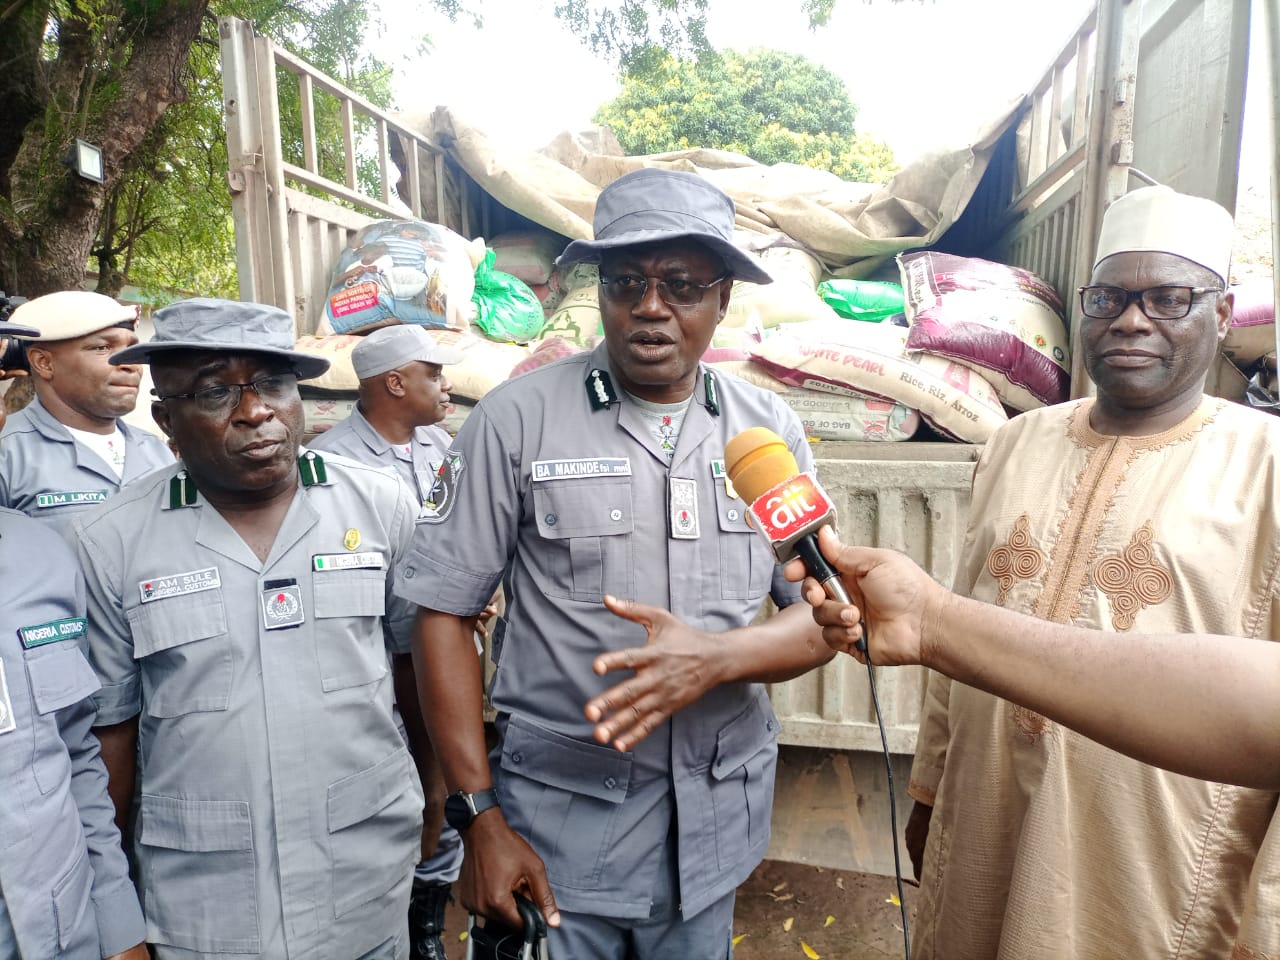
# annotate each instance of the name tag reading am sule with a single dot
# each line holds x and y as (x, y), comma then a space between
(177, 584)
(347, 561)
(581, 468)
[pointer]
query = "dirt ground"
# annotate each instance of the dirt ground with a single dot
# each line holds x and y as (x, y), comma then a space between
(784, 906)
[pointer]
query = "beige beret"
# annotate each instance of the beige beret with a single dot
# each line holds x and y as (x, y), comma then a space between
(72, 313)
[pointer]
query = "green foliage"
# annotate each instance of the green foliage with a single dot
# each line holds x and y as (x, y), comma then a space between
(774, 107)
(173, 229)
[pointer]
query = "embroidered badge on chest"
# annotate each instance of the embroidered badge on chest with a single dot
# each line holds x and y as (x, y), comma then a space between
(282, 604)
(682, 508)
(7, 722)
(176, 584)
(69, 498)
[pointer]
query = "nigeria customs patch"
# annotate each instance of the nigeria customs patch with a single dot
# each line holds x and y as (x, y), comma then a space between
(53, 631)
(282, 604)
(439, 503)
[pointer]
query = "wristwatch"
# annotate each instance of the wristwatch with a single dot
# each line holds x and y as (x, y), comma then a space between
(461, 808)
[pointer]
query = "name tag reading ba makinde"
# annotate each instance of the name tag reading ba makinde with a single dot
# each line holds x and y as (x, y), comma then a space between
(578, 469)
(348, 561)
(177, 584)
(69, 498)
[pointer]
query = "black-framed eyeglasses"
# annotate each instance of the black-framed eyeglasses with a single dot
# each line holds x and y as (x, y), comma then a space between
(272, 390)
(630, 288)
(1158, 303)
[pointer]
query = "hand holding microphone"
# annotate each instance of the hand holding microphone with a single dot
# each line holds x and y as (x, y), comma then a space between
(787, 506)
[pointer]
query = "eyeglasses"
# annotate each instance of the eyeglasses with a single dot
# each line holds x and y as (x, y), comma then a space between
(1158, 303)
(630, 288)
(272, 390)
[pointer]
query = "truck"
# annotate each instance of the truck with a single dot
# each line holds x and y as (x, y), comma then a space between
(1142, 91)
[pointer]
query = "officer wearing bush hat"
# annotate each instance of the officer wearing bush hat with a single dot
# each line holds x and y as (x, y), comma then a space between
(69, 450)
(629, 808)
(243, 624)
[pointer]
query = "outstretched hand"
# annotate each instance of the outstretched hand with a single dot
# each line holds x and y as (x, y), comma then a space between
(893, 596)
(678, 665)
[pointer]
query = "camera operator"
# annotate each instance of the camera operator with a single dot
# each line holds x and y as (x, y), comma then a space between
(69, 450)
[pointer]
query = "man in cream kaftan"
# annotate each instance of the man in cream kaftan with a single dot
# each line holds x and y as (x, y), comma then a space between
(1152, 509)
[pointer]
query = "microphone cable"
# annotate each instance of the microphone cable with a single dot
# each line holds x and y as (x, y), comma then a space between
(861, 645)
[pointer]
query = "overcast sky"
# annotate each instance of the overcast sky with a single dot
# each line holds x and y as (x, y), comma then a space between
(923, 75)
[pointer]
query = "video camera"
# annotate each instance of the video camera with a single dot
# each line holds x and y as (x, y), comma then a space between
(15, 352)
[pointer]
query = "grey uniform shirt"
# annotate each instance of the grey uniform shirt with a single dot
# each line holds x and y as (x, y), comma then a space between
(280, 814)
(355, 437)
(64, 882)
(45, 474)
(564, 498)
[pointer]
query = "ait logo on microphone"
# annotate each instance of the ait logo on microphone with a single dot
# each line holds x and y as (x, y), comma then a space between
(795, 506)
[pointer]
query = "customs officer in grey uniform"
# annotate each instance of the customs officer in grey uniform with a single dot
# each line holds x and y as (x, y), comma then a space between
(404, 394)
(646, 803)
(68, 450)
(241, 619)
(64, 882)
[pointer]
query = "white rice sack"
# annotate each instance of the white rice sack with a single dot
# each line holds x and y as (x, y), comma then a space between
(1002, 321)
(871, 359)
(336, 348)
(763, 306)
(321, 413)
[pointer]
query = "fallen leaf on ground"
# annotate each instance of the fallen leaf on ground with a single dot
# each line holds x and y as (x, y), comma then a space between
(786, 924)
(840, 882)
(781, 886)
(829, 921)
(739, 938)
(894, 900)
(809, 952)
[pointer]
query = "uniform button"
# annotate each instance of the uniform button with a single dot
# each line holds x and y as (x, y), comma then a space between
(733, 514)
(408, 573)
(769, 726)
(517, 757)
(615, 514)
(610, 783)
(551, 519)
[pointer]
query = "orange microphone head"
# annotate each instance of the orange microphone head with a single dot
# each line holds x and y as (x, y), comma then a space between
(758, 460)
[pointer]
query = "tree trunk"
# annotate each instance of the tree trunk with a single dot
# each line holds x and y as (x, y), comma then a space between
(50, 216)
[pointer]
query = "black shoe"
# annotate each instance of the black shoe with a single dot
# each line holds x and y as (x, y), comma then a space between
(426, 919)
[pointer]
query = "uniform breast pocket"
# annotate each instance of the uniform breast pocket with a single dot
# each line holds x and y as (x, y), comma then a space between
(586, 528)
(59, 676)
(746, 562)
(742, 783)
(349, 642)
(185, 654)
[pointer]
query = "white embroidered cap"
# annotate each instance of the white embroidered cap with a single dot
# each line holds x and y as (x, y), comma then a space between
(1161, 220)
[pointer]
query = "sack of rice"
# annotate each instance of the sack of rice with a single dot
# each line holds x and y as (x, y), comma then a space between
(872, 360)
(403, 271)
(1004, 322)
(1252, 333)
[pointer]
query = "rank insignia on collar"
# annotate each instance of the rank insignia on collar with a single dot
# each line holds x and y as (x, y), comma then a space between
(182, 491)
(713, 393)
(600, 390)
(352, 539)
(312, 469)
